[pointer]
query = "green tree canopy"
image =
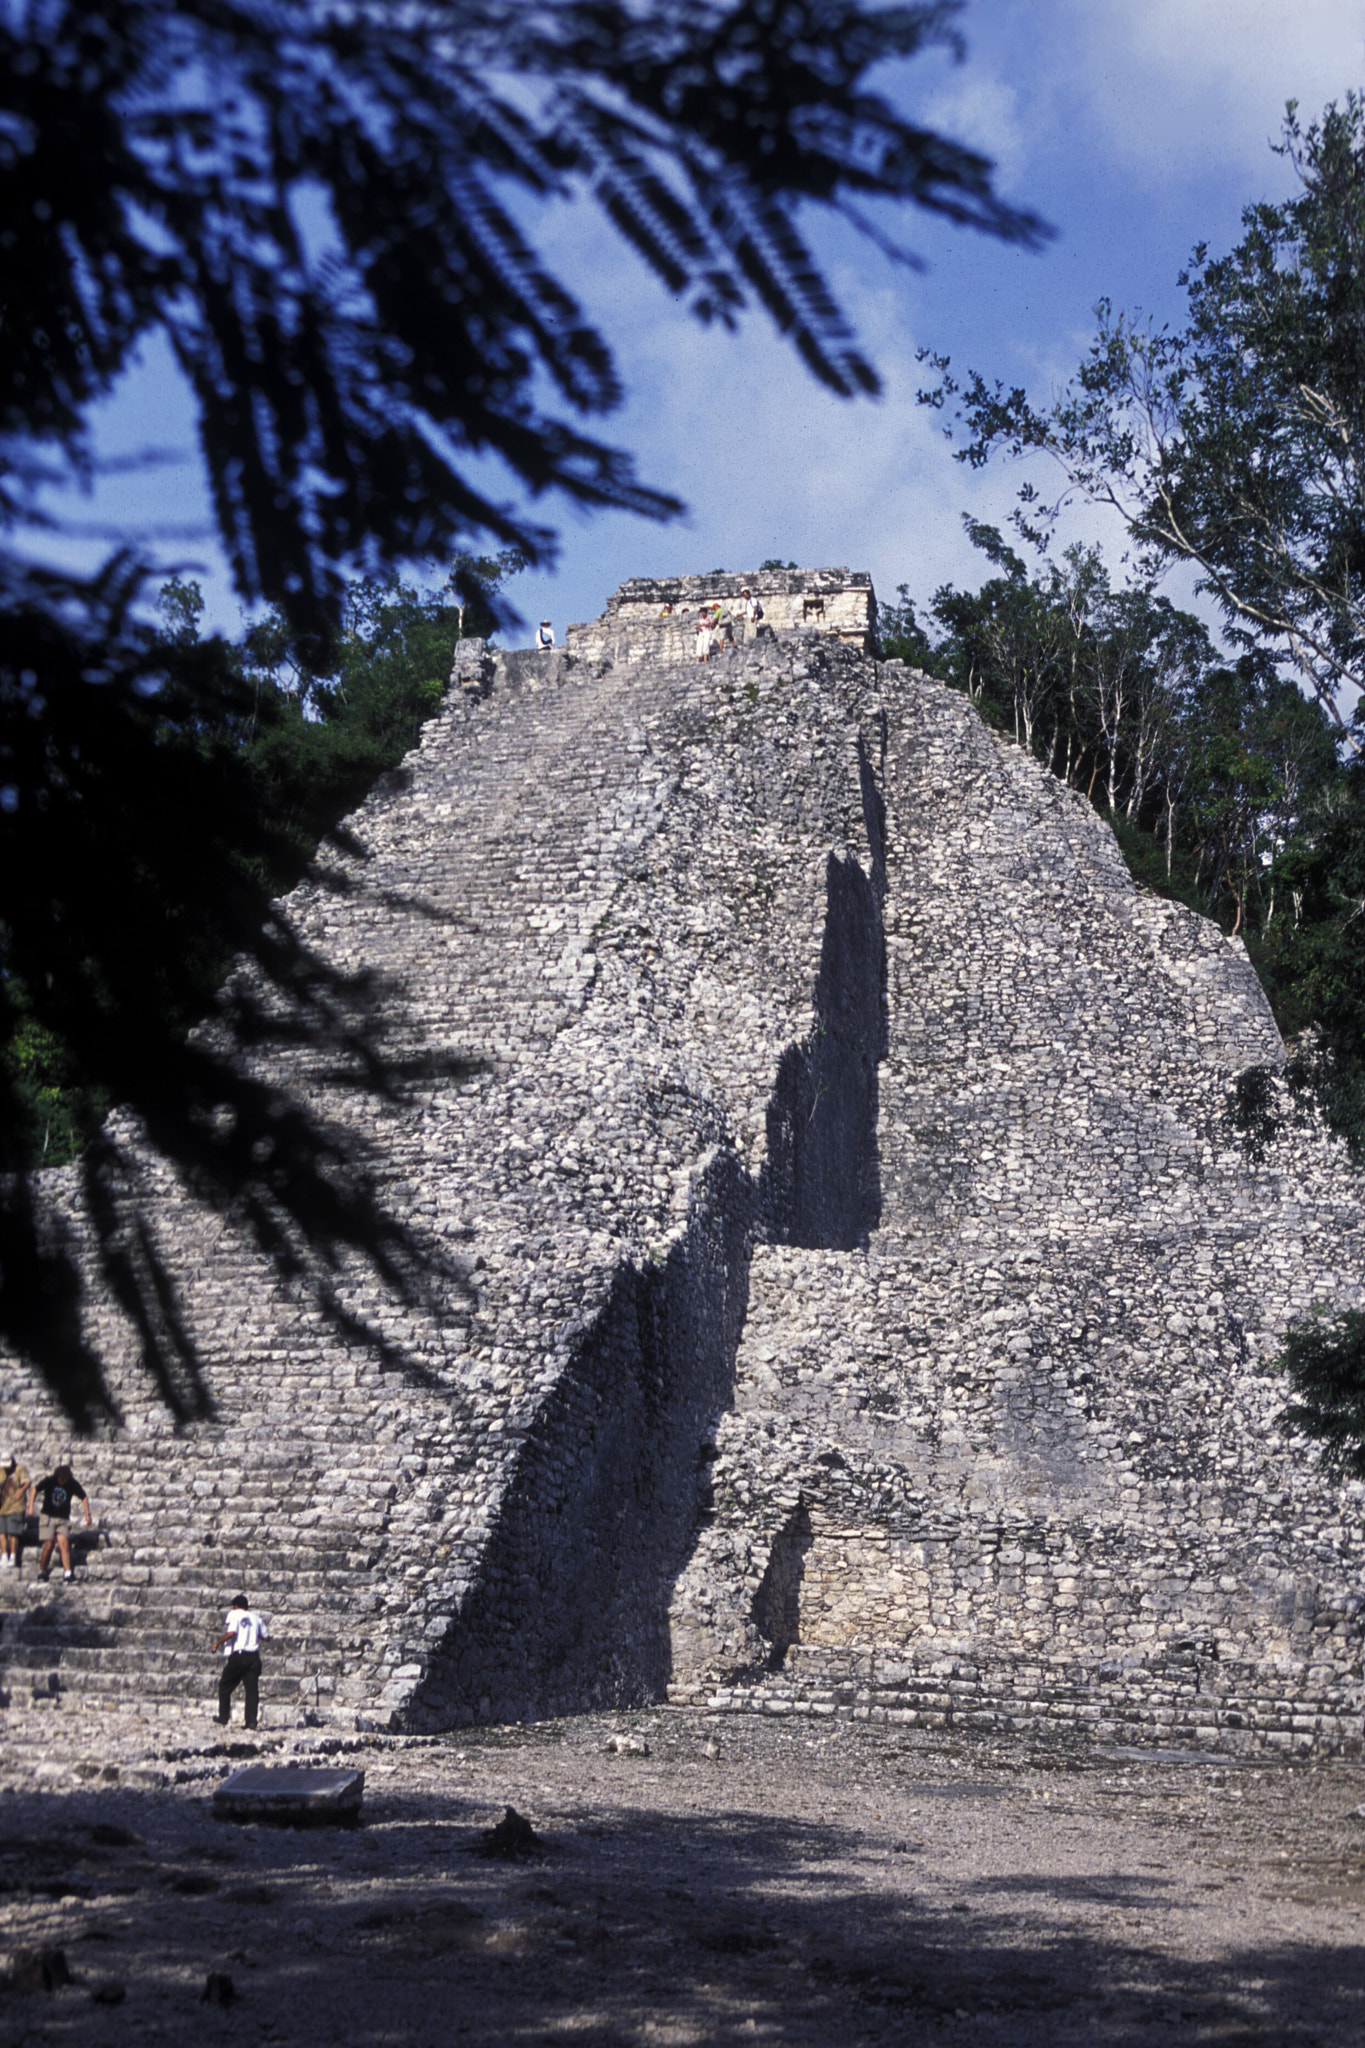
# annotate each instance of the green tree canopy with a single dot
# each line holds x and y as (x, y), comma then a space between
(1237, 442)
(322, 210)
(1324, 1360)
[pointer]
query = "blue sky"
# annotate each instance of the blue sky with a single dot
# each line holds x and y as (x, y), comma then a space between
(1137, 127)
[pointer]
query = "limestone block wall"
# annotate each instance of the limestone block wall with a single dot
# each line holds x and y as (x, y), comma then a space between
(1015, 1459)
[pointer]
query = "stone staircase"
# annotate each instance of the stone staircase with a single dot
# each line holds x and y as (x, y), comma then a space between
(592, 905)
(154, 1577)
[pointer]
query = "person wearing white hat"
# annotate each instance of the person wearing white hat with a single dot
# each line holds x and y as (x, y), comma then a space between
(546, 636)
(14, 1483)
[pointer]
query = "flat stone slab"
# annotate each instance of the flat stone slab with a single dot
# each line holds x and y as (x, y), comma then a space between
(290, 1793)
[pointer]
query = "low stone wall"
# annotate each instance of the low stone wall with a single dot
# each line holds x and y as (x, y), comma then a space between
(1193, 1701)
(653, 618)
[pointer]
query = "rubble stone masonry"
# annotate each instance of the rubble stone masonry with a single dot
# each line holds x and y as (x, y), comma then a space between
(854, 1292)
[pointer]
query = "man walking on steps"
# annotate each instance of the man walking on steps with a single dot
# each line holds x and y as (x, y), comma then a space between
(58, 1491)
(240, 1642)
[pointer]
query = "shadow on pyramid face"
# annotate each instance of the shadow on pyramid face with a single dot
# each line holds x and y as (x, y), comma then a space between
(820, 1184)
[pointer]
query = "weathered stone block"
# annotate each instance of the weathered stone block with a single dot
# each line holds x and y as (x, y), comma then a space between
(296, 1795)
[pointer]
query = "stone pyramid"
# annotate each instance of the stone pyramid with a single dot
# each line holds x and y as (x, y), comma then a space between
(852, 1290)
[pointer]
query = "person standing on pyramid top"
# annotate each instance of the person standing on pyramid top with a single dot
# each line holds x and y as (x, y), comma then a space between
(545, 638)
(240, 1642)
(14, 1486)
(58, 1491)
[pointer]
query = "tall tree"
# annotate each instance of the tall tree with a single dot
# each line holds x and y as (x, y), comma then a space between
(1236, 442)
(328, 212)
(1090, 679)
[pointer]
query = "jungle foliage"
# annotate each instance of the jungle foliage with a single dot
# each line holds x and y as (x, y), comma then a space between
(1324, 1361)
(299, 731)
(1235, 443)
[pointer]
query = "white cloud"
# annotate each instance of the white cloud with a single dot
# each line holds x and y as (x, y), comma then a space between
(772, 466)
(976, 108)
(1173, 83)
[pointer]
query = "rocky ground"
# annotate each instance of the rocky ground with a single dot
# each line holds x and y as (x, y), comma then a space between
(703, 1880)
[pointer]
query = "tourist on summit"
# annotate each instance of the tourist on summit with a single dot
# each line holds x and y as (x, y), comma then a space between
(58, 1492)
(14, 1485)
(705, 636)
(753, 610)
(240, 1642)
(545, 638)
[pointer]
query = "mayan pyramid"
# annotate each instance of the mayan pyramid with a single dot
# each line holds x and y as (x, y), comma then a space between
(852, 1289)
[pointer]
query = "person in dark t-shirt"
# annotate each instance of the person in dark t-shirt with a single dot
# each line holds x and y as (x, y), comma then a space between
(59, 1492)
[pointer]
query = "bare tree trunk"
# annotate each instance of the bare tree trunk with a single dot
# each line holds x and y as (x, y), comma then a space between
(1236, 893)
(1170, 828)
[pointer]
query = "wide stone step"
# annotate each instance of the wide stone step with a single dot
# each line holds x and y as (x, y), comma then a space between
(113, 1666)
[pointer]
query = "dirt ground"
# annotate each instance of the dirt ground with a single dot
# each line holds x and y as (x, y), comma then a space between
(746, 1880)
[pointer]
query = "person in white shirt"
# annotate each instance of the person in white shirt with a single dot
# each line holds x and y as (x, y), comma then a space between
(240, 1642)
(546, 636)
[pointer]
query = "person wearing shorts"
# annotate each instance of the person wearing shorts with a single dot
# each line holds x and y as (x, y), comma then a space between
(14, 1485)
(58, 1492)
